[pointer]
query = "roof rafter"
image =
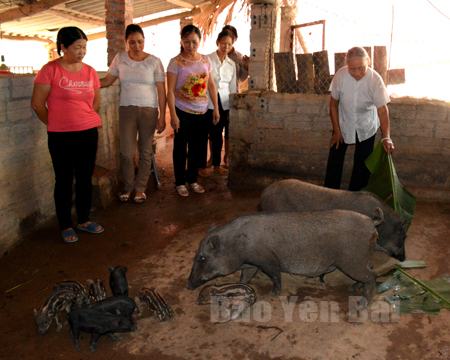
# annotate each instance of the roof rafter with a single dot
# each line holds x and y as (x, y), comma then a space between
(23, 38)
(28, 10)
(75, 12)
(152, 22)
(66, 15)
(181, 3)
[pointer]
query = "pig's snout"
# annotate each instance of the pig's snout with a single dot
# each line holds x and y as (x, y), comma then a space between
(42, 332)
(400, 257)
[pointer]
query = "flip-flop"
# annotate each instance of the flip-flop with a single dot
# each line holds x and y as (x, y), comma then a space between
(124, 198)
(139, 200)
(68, 233)
(91, 228)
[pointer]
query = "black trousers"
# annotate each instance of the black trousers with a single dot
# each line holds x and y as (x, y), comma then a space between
(187, 144)
(73, 153)
(215, 136)
(360, 174)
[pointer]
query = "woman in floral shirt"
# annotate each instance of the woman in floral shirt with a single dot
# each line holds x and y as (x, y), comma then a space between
(188, 77)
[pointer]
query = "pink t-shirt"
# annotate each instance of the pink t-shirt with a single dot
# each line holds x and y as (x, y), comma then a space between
(192, 83)
(71, 98)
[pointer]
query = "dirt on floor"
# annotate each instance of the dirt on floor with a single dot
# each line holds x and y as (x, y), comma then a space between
(157, 241)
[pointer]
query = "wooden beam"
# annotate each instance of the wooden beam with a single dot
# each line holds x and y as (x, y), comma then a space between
(181, 3)
(153, 22)
(64, 15)
(75, 12)
(26, 38)
(28, 10)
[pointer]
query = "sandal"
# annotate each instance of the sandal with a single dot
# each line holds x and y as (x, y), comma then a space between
(140, 199)
(124, 198)
(91, 228)
(197, 188)
(181, 189)
(220, 170)
(68, 233)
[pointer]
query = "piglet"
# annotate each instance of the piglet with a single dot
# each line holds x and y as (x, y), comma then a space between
(51, 309)
(118, 281)
(97, 290)
(97, 323)
(116, 305)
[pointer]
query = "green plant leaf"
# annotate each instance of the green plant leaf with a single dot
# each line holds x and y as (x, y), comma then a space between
(411, 264)
(385, 184)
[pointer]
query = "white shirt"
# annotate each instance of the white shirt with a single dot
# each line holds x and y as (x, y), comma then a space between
(358, 103)
(138, 79)
(224, 74)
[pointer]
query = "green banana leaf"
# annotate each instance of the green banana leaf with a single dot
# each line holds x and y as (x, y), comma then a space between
(413, 295)
(385, 184)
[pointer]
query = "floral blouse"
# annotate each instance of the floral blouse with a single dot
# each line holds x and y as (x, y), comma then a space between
(192, 83)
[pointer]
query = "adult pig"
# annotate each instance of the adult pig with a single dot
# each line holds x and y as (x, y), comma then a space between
(296, 195)
(305, 243)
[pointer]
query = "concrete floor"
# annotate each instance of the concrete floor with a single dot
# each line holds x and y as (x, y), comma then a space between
(157, 242)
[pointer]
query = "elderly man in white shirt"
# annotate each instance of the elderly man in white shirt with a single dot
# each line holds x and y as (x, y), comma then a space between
(224, 73)
(358, 107)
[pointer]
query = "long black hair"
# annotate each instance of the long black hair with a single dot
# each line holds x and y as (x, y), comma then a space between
(189, 29)
(133, 28)
(67, 36)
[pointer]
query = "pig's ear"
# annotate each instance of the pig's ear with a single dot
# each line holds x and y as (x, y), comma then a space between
(213, 242)
(35, 312)
(111, 269)
(378, 216)
(212, 227)
(89, 282)
(405, 226)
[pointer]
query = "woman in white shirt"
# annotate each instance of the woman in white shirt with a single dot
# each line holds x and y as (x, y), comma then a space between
(142, 91)
(358, 107)
(224, 73)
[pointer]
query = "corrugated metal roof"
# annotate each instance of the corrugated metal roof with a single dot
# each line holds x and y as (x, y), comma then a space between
(46, 25)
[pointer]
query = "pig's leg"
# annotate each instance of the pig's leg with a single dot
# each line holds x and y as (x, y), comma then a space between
(58, 322)
(113, 337)
(94, 339)
(75, 333)
(247, 273)
(359, 285)
(273, 272)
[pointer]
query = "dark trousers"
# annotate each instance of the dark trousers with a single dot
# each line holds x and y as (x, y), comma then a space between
(360, 174)
(187, 144)
(73, 153)
(215, 136)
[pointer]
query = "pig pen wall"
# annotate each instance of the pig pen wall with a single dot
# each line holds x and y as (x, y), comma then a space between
(26, 172)
(275, 136)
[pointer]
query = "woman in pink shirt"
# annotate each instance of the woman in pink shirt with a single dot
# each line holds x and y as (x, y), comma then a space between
(70, 89)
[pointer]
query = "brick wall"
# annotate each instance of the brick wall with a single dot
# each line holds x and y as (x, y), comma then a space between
(26, 173)
(119, 14)
(274, 135)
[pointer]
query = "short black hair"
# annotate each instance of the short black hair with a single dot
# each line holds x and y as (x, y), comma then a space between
(224, 33)
(133, 28)
(232, 29)
(67, 36)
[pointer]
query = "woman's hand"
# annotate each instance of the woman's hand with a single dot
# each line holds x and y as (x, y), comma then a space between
(336, 139)
(388, 146)
(161, 124)
(175, 122)
(216, 116)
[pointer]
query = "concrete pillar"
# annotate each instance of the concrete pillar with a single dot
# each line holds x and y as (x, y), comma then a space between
(186, 21)
(119, 14)
(287, 19)
(264, 42)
